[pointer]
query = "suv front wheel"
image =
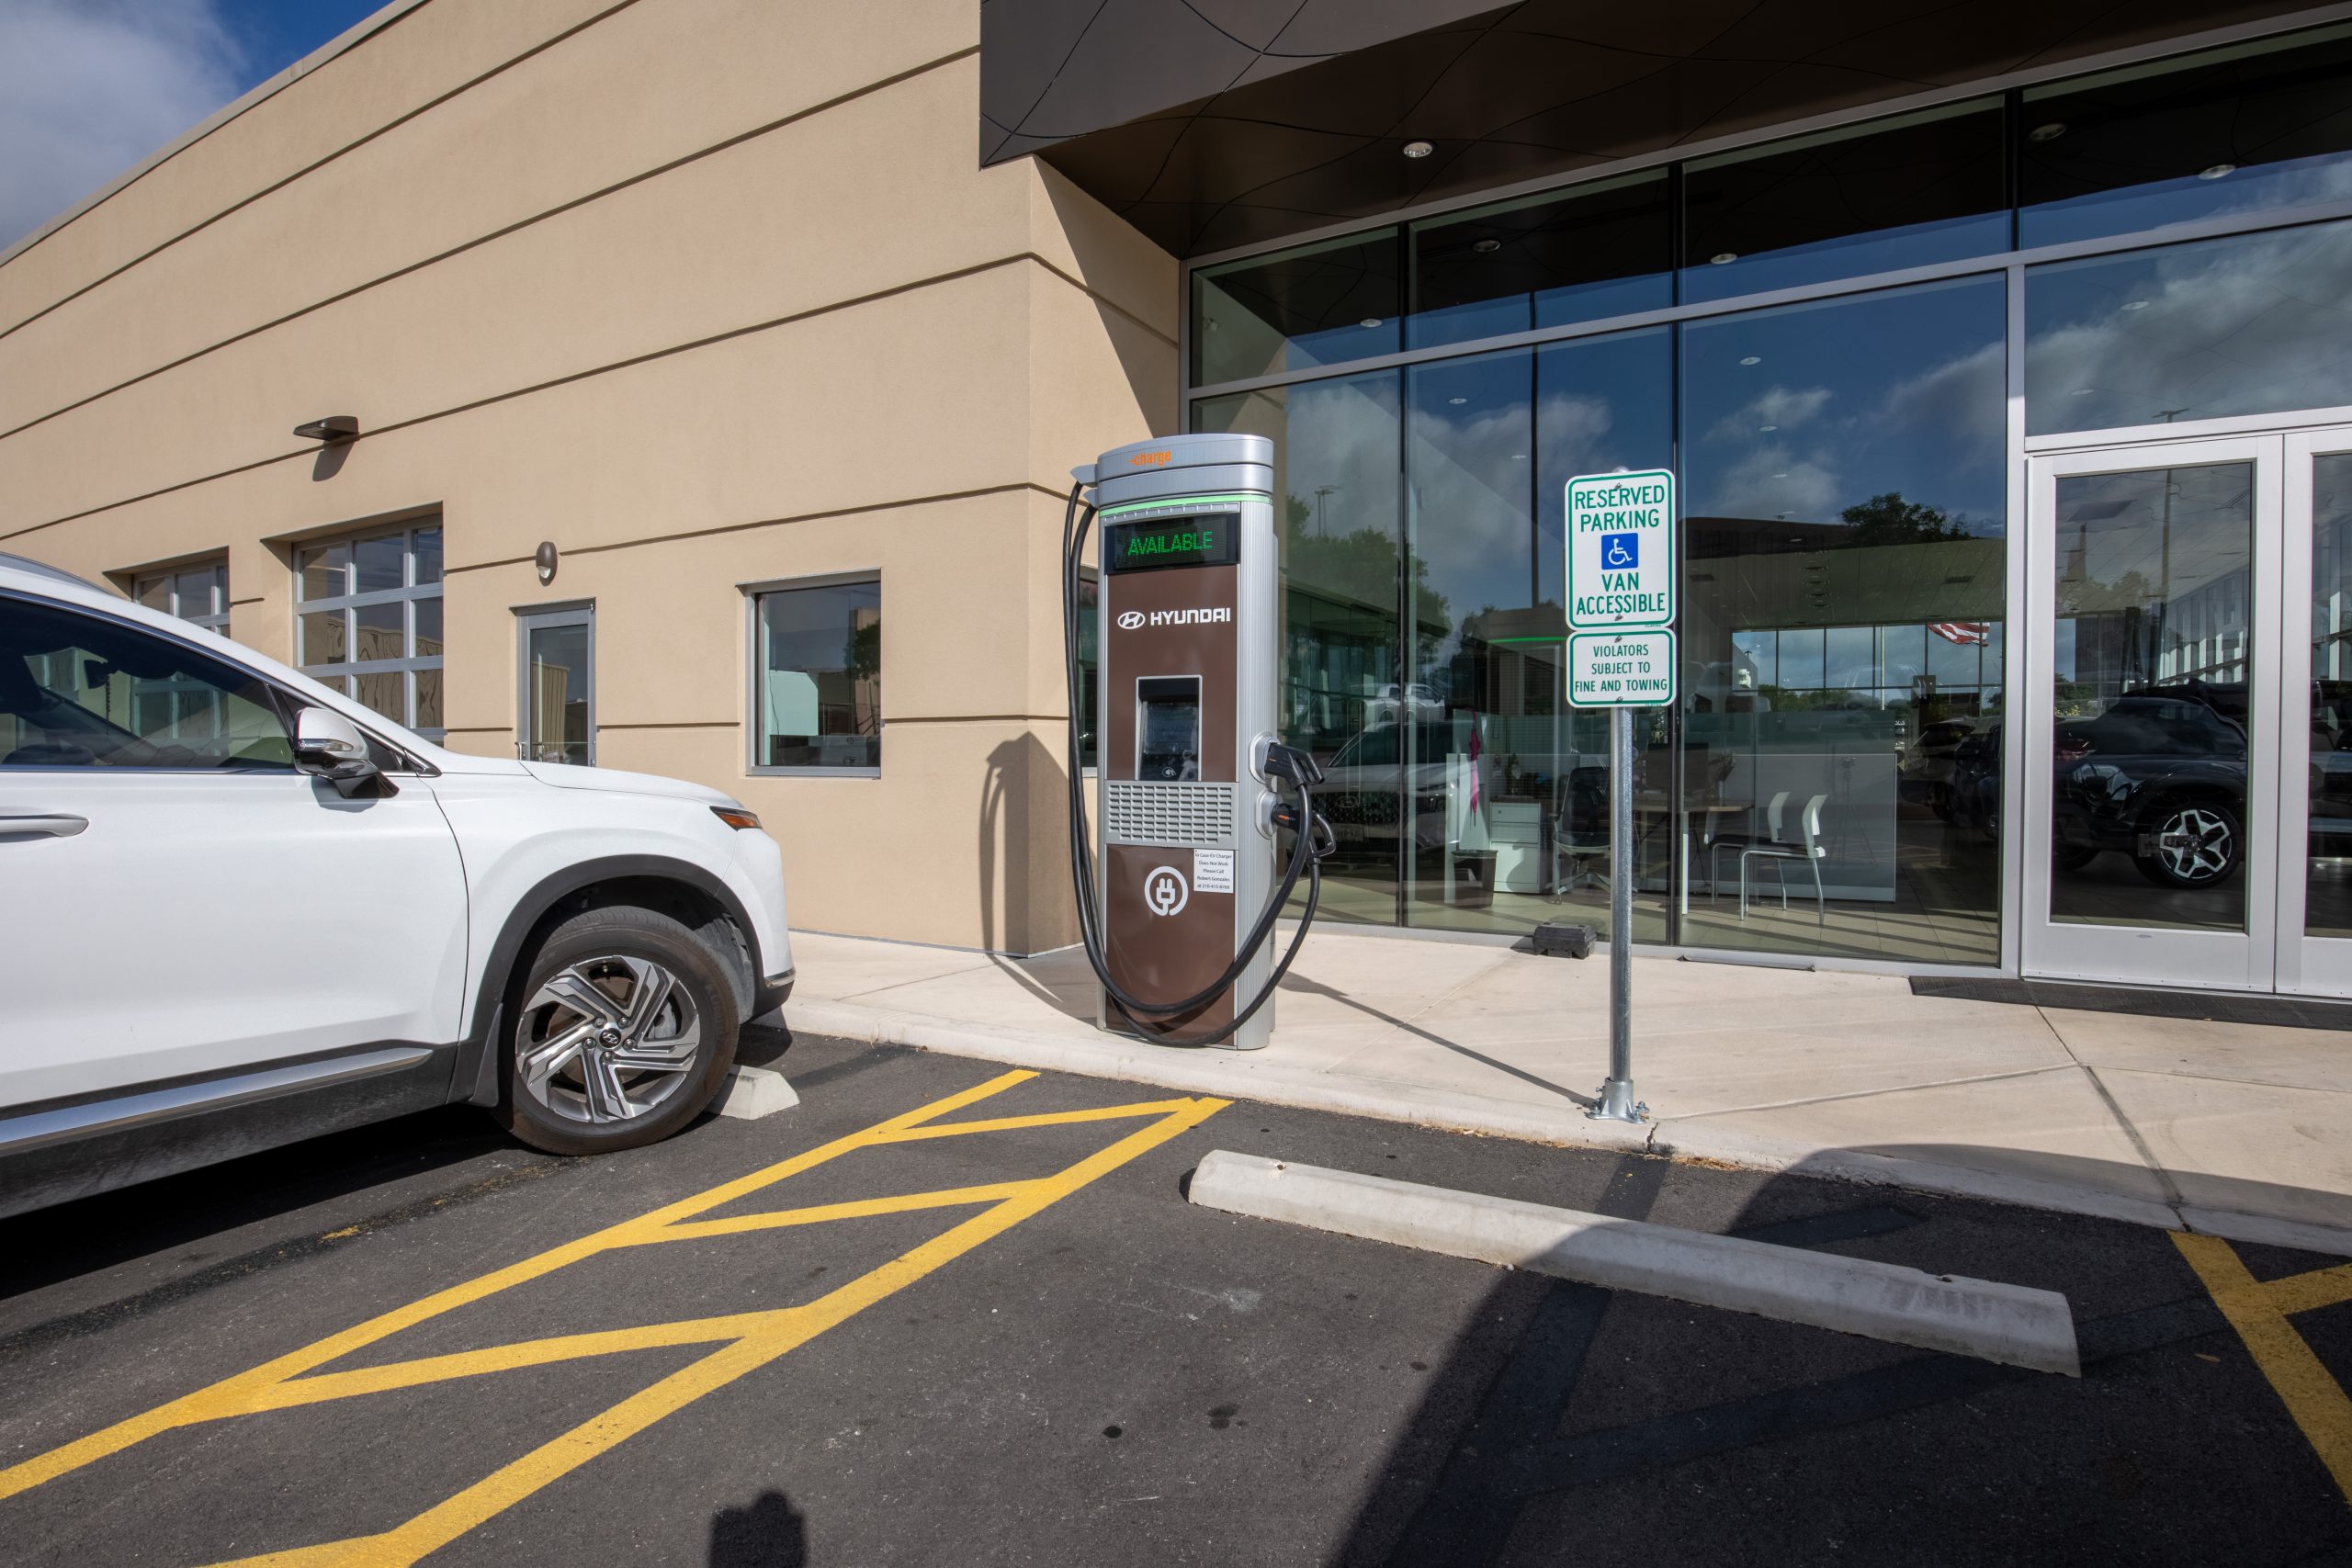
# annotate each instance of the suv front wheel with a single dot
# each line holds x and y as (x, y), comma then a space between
(623, 1029)
(2196, 843)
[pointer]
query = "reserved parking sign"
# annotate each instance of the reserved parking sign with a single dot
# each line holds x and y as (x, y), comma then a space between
(1621, 535)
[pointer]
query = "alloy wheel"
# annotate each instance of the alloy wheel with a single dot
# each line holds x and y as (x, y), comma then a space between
(607, 1040)
(2196, 844)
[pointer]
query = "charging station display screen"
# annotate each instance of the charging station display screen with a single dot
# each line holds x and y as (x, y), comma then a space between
(1210, 539)
(1168, 727)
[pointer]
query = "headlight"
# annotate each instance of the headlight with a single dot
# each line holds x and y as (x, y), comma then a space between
(735, 816)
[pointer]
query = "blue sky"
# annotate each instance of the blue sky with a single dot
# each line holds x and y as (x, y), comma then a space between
(90, 87)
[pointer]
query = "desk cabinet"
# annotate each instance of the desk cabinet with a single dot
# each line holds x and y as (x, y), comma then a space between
(1516, 827)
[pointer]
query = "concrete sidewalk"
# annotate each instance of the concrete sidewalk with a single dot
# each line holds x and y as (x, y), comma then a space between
(2236, 1129)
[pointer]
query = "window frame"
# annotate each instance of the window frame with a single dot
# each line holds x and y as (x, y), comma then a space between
(215, 621)
(755, 724)
(2009, 87)
(407, 594)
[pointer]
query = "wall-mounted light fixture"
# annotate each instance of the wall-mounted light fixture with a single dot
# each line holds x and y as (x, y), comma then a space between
(544, 558)
(335, 427)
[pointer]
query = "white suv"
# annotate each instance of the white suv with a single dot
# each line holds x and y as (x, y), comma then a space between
(238, 909)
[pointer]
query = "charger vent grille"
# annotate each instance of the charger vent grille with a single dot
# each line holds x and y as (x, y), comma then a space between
(1175, 814)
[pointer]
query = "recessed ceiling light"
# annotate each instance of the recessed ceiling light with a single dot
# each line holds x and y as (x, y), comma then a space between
(1457, 402)
(2135, 304)
(1518, 457)
(1720, 257)
(1487, 247)
(2218, 171)
(1766, 429)
(1780, 476)
(1417, 149)
(2082, 391)
(2050, 132)
(1369, 322)
(1752, 359)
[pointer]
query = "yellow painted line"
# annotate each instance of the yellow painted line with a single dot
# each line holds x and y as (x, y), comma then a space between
(1048, 1119)
(2317, 1402)
(319, 1387)
(2308, 1293)
(744, 1341)
(445, 1522)
(863, 1207)
(229, 1396)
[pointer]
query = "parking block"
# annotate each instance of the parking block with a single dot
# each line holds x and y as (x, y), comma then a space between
(2012, 1325)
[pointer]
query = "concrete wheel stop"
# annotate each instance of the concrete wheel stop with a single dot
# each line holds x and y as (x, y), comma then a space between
(750, 1093)
(2012, 1325)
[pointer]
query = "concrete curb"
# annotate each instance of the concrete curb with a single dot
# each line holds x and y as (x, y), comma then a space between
(2301, 1235)
(1261, 1076)
(750, 1093)
(2011, 1324)
(1247, 1074)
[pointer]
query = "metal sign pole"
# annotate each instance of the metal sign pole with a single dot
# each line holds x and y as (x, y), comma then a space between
(1619, 566)
(1617, 1102)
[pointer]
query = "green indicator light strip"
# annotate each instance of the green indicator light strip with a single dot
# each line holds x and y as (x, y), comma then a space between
(1182, 504)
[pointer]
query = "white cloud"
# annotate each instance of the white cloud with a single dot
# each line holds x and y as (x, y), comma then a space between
(89, 87)
(2241, 325)
(1963, 398)
(1773, 481)
(1779, 407)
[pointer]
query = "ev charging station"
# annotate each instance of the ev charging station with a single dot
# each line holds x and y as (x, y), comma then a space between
(1176, 914)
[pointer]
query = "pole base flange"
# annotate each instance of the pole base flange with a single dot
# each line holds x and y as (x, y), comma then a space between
(1616, 1103)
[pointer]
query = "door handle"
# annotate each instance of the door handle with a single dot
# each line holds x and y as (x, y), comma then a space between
(46, 824)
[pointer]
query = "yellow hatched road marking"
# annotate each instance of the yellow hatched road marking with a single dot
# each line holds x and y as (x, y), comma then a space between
(2308, 1293)
(745, 1341)
(2258, 1312)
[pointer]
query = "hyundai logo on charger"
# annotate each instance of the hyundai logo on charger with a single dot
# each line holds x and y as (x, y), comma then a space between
(1210, 615)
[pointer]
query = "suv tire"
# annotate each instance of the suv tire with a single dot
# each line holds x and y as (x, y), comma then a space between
(624, 1028)
(2195, 843)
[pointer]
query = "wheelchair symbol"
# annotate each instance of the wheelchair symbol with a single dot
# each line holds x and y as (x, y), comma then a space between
(1619, 552)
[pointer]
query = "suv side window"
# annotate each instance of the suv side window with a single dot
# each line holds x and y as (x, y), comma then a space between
(80, 691)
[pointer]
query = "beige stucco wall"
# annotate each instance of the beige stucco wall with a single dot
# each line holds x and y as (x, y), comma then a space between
(707, 292)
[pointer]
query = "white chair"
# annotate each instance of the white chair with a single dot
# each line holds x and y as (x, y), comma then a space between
(1772, 836)
(1809, 849)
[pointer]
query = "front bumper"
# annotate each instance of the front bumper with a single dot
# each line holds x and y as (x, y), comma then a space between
(772, 993)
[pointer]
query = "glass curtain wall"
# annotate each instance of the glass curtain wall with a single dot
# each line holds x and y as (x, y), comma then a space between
(1842, 630)
(1510, 786)
(1343, 695)
(1830, 781)
(2327, 885)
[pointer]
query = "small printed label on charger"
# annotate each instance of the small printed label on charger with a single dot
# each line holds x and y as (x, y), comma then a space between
(1212, 871)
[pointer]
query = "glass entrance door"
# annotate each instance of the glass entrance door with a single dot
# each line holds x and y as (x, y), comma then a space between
(2316, 883)
(555, 708)
(2159, 841)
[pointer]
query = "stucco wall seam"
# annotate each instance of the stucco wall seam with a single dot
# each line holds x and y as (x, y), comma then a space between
(975, 269)
(389, 125)
(493, 236)
(862, 508)
(598, 370)
(1103, 300)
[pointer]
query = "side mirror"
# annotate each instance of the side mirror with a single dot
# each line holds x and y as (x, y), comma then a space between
(329, 746)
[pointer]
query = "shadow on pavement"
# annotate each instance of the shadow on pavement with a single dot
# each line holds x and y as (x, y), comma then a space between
(94, 1233)
(1567, 1422)
(769, 1533)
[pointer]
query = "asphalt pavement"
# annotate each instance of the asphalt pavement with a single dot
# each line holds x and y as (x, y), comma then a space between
(942, 1312)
